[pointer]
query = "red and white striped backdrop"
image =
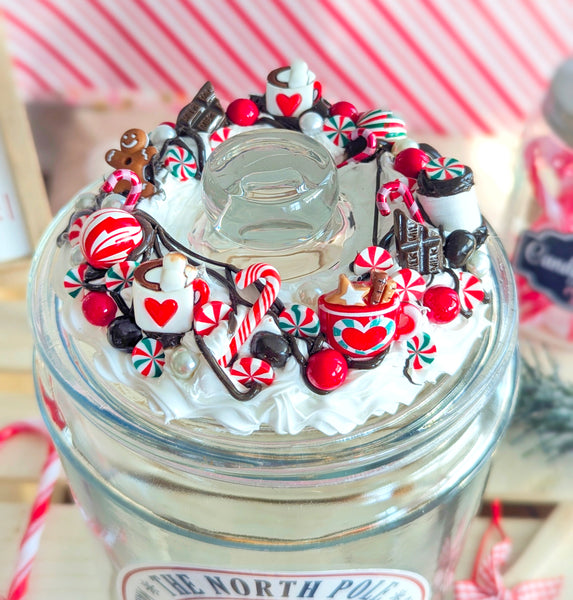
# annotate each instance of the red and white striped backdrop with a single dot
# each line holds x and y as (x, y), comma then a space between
(446, 65)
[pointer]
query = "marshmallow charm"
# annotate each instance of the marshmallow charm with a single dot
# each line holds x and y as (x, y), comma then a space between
(164, 294)
(445, 191)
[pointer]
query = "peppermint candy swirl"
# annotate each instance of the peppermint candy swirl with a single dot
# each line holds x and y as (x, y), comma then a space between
(300, 321)
(120, 276)
(410, 285)
(443, 168)
(209, 315)
(471, 290)
(338, 129)
(180, 163)
(74, 280)
(372, 257)
(221, 135)
(421, 351)
(148, 357)
(249, 370)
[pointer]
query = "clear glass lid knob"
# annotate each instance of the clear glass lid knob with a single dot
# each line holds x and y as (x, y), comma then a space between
(270, 189)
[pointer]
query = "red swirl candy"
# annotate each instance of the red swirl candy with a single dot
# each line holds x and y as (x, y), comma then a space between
(108, 236)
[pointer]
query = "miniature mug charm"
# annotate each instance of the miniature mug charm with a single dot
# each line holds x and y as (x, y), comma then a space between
(165, 292)
(292, 90)
(358, 318)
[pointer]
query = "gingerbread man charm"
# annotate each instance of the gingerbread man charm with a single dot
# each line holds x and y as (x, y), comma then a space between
(135, 154)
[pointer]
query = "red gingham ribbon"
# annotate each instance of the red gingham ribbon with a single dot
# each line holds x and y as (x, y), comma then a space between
(487, 581)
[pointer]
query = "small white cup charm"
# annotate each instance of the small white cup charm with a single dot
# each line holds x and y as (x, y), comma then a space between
(165, 292)
(292, 90)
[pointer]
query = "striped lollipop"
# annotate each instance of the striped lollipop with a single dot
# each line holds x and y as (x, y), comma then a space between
(385, 126)
(373, 257)
(338, 129)
(300, 321)
(471, 290)
(209, 315)
(120, 276)
(410, 285)
(442, 168)
(421, 351)
(75, 230)
(221, 135)
(181, 163)
(148, 357)
(249, 370)
(74, 280)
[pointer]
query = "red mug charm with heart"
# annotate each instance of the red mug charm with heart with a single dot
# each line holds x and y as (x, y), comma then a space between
(165, 293)
(360, 332)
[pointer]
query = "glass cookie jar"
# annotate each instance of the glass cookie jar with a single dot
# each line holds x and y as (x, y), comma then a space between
(188, 509)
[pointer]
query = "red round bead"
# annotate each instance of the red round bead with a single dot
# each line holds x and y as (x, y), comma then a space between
(344, 109)
(443, 304)
(326, 370)
(411, 161)
(243, 112)
(99, 308)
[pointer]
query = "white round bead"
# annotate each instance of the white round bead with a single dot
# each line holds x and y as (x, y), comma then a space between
(402, 144)
(182, 363)
(113, 201)
(478, 264)
(311, 123)
(161, 134)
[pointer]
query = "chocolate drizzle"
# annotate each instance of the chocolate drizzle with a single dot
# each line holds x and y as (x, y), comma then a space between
(436, 188)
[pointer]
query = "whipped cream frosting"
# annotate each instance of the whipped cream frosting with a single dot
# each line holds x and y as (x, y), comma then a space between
(288, 405)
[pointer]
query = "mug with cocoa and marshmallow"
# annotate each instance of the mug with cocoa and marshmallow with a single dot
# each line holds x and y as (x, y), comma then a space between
(292, 90)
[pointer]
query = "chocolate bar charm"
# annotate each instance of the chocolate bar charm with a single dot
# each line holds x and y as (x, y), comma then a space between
(417, 246)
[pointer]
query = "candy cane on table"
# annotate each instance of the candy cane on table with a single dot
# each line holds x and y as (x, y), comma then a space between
(243, 279)
(385, 193)
(134, 181)
(369, 149)
(31, 539)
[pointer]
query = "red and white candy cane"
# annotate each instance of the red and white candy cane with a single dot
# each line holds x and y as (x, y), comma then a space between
(369, 148)
(31, 539)
(124, 175)
(393, 190)
(243, 279)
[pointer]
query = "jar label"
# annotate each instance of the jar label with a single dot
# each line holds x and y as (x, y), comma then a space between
(546, 259)
(173, 582)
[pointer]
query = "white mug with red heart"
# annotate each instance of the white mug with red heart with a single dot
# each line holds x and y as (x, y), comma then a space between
(165, 292)
(292, 90)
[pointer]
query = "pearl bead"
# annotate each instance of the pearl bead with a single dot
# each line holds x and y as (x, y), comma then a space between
(402, 144)
(113, 201)
(311, 123)
(478, 264)
(77, 256)
(308, 294)
(161, 134)
(85, 200)
(183, 363)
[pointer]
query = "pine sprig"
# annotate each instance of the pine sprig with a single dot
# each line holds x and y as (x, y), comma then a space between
(545, 404)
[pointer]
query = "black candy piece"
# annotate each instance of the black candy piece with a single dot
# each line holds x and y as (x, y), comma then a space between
(270, 347)
(123, 333)
(460, 245)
